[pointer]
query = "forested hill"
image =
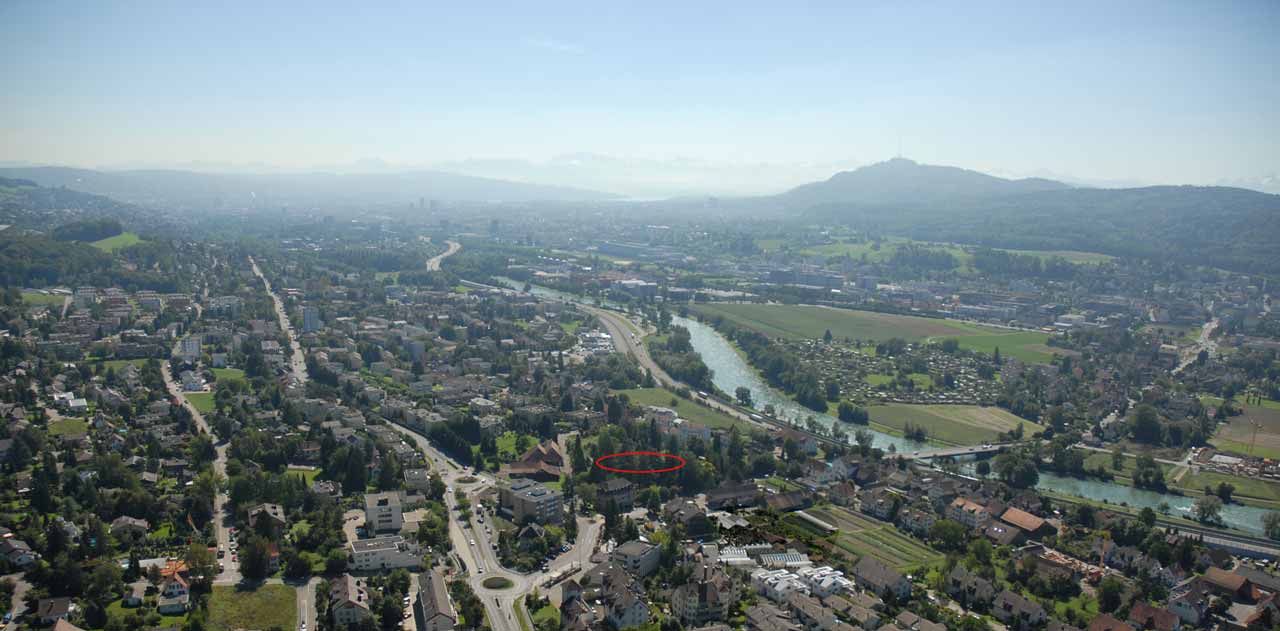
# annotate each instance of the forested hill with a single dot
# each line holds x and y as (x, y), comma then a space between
(900, 181)
(1230, 228)
(25, 205)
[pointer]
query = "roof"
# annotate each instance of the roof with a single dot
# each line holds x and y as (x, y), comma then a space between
(1022, 519)
(433, 596)
(1227, 580)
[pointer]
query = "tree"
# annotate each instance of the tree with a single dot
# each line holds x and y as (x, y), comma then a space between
(826, 336)
(849, 413)
(202, 565)
(255, 558)
(743, 395)
(1017, 468)
(1145, 425)
(1110, 591)
(1224, 491)
(1271, 524)
(1207, 509)
(949, 535)
(1117, 459)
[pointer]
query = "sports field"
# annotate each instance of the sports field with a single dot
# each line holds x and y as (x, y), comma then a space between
(955, 424)
(1237, 432)
(809, 322)
(860, 536)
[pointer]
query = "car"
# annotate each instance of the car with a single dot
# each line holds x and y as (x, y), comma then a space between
(545, 567)
(406, 600)
(473, 542)
(479, 570)
(8, 618)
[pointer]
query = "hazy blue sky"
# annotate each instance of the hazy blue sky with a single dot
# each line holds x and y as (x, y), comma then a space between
(1169, 92)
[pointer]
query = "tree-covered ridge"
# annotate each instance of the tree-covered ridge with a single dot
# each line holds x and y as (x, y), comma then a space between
(1229, 228)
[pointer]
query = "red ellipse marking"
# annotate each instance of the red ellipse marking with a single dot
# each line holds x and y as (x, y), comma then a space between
(680, 462)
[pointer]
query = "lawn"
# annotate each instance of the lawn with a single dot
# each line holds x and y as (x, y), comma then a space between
(954, 424)
(116, 610)
(861, 536)
(118, 242)
(203, 401)
(1237, 433)
(262, 608)
(228, 374)
(308, 474)
(811, 322)
(687, 409)
(68, 426)
(549, 612)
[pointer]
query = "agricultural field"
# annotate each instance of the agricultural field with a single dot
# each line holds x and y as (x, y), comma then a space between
(687, 409)
(954, 424)
(118, 242)
(1237, 432)
(810, 322)
(860, 536)
(268, 606)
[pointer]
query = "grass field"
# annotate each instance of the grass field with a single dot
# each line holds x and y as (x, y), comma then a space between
(810, 322)
(121, 363)
(263, 608)
(1237, 432)
(1096, 459)
(118, 242)
(68, 426)
(687, 409)
(955, 424)
(203, 401)
(860, 536)
(1256, 488)
(228, 374)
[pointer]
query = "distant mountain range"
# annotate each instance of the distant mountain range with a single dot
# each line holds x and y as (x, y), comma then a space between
(211, 191)
(1230, 228)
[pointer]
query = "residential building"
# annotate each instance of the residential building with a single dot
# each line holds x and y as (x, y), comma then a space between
(384, 553)
(637, 557)
(525, 500)
(620, 492)
(382, 512)
(704, 598)
(880, 579)
(433, 610)
(348, 600)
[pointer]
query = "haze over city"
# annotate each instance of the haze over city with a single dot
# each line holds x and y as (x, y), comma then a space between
(645, 99)
(643, 316)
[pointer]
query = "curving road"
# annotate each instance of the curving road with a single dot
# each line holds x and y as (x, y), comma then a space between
(480, 559)
(433, 264)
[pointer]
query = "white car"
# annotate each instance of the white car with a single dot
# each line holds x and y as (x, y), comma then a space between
(473, 542)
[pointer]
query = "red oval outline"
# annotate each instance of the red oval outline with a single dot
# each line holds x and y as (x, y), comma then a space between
(661, 454)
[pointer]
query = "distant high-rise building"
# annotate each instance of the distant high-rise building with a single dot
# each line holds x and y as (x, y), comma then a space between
(310, 319)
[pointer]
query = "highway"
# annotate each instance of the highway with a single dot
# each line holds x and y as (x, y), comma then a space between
(433, 264)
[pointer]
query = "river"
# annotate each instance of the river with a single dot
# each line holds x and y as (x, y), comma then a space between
(730, 370)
